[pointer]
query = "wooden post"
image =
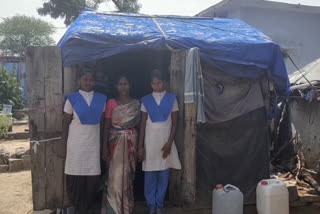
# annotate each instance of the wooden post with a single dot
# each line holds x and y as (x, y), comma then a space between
(177, 70)
(45, 97)
(189, 172)
(183, 183)
(190, 138)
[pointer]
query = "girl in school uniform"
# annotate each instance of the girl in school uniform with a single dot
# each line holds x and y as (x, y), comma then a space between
(156, 141)
(83, 111)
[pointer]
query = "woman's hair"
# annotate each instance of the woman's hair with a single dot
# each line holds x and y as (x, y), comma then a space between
(120, 76)
(157, 73)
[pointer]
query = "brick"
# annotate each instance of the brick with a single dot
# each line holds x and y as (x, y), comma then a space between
(26, 161)
(4, 168)
(15, 165)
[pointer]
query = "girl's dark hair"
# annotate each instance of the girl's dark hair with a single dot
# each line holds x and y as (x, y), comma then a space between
(84, 72)
(157, 73)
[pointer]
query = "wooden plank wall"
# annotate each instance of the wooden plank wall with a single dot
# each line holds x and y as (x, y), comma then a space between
(45, 97)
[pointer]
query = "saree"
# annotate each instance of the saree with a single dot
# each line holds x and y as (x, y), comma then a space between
(118, 197)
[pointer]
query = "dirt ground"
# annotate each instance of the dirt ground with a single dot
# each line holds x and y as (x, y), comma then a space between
(15, 188)
(15, 193)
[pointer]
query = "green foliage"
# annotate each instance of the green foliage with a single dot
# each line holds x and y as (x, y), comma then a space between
(19, 32)
(4, 130)
(70, 10)
(129, 6)
(10, 90)
(5, 125)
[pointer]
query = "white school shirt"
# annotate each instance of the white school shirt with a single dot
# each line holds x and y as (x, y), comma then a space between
(83, 145)
(156, 136)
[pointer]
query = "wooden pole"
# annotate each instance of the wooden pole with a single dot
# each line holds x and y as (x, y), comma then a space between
(177, 69)
(183, 182)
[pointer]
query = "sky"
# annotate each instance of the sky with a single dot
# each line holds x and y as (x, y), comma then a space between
(10, 8)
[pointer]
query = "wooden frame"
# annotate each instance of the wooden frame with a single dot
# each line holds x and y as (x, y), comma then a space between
(46, 95)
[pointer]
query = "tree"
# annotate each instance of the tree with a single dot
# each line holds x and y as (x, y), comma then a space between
(19, 32)
(70, 10)
(10, 90)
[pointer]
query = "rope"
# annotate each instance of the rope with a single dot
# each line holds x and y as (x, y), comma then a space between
(36, 143)
(312, 86)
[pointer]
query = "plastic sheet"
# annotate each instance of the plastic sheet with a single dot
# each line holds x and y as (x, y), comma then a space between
(228, 44)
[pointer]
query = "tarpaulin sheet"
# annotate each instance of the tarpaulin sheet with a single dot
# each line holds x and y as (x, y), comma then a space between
(228, 44)
(228, 97)
(234, 152)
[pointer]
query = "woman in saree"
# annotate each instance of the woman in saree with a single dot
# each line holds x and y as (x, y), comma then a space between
(119, 150)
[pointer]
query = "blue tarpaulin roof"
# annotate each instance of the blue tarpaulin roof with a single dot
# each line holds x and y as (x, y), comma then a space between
(228, 44)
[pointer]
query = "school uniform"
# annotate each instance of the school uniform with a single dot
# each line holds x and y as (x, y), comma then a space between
(159, 107)
(83, 146)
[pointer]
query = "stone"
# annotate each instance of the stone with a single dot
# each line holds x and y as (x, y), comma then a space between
(27, 152)
(26, 161)
(20, 151)
(15, 165)
(18, 115)
(4, 168)
(4, 155)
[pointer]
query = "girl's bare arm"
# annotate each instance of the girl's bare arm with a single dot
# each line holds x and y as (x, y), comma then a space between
(144, 117)
(67, 118)
(106, 130)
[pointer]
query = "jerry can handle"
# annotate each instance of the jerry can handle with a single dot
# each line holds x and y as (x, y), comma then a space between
(229, 187)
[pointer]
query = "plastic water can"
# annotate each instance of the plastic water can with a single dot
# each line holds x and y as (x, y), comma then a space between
(227, 200)
(272, 197)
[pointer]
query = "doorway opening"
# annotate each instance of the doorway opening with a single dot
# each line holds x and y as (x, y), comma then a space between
(137, 65)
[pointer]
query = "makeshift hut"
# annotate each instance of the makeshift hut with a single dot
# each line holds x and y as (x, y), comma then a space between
(304, 112)
(221, 69)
